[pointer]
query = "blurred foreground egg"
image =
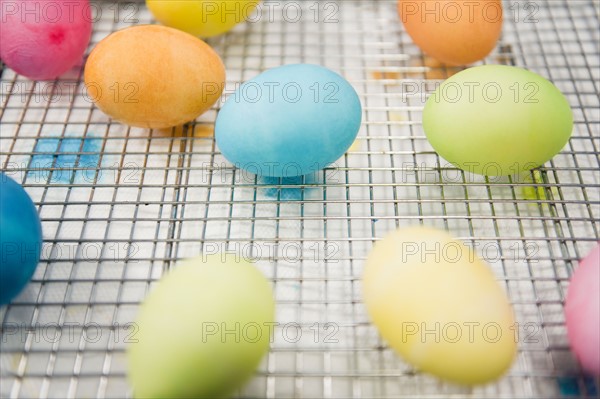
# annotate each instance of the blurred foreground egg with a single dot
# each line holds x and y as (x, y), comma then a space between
(20, 238)
(200, 17)
(454, 32)
(439, 306)
(289, 121)
(497, 120)
(582, 312)
(153, 76)
(202, 331)
(43, 39)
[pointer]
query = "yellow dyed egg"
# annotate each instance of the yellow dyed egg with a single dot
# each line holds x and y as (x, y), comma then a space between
(202, 18)
(439, 306)
(154, 76)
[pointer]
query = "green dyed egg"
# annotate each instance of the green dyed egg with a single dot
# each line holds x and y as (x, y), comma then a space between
(497, 120)
(202, 331)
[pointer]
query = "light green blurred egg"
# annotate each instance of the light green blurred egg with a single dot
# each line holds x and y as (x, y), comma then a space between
(202, 331)
(497, 120)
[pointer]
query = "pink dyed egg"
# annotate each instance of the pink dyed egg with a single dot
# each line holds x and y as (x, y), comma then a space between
(42, 39)
(582, 311)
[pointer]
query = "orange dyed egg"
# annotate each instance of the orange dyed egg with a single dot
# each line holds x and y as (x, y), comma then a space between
(454, 32)
(154, 76)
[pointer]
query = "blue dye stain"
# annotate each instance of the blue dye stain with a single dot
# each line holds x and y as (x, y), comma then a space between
(65, 160)
(590, 386)
(569, 387)
(288, 188)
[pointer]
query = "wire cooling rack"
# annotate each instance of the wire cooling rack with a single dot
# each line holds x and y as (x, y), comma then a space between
(121, 205)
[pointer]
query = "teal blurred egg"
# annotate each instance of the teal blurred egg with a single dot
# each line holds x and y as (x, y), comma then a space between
(20, 238)
(289, 121)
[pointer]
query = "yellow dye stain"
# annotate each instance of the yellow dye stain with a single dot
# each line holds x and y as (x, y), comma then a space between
(355, 146)
(384, 75)
(175, 131)
(534, 192)
(396, 116)
(204, 131)
(436, 69)
(200, 130)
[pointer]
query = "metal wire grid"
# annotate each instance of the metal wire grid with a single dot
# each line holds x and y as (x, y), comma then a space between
(124, 204)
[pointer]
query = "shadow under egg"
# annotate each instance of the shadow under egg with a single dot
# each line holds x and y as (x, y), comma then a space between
(297, 188)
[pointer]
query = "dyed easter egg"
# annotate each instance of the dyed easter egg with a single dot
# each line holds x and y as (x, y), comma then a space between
(497, 120)
(289, 121)
(43, 39)
(202, 330)
(20, 238)
(582, 312)
(154, 76)
(199, 17)
(439, 306)
(454, 32)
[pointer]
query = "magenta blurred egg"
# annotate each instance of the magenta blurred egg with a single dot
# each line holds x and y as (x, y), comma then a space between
(582, 311)
(42, 39)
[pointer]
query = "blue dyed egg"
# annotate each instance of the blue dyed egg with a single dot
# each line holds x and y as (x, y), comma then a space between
(20, 238)
(289, 121)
